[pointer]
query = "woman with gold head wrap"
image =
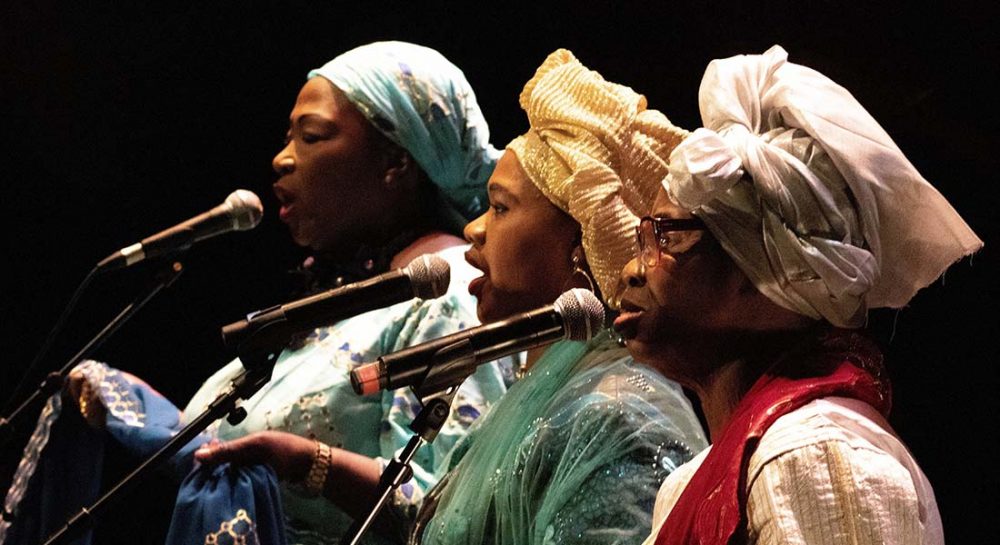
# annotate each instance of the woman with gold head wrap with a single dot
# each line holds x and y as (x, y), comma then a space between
(575, 451)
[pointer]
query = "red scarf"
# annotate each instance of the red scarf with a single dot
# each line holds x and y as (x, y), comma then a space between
(712, 508)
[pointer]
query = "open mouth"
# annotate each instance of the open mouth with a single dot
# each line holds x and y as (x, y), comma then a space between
(476, 285)
(286, 199)
(627, 322)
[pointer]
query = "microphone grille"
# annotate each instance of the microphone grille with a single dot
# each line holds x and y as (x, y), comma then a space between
(582, 314)
(245, 209)
(429, 275)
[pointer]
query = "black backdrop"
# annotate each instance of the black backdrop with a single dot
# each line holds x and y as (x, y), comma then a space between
(120, 120)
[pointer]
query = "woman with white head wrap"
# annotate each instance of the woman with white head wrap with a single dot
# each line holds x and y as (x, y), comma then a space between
(783, 220)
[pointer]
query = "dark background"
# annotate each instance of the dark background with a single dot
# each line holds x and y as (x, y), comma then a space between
(120, 120)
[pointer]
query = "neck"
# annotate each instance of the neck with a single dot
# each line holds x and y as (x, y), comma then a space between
(728, 366)
(720, 392)
(326, 270)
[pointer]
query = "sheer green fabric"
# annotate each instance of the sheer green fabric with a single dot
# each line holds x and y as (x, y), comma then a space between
(574, 453)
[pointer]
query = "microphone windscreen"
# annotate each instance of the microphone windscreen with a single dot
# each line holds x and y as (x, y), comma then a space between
(582, 314)
(429, 275)
(245, 209)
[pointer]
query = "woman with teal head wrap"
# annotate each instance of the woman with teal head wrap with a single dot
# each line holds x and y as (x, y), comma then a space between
(422, 102)
(387, 154)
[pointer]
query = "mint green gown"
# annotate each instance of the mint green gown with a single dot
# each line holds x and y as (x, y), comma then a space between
(310, 395)
(573, 454)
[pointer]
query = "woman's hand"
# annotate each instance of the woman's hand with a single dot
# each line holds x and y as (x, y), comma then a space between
(352, 478)
(289, 455)
(87, 398)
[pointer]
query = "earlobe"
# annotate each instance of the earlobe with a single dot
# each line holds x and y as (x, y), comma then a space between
(581, 269)
(399, 169)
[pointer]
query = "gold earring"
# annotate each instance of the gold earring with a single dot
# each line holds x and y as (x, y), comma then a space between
(578, 270)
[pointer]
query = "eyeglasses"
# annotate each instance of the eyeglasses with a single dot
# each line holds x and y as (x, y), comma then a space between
(654, 236)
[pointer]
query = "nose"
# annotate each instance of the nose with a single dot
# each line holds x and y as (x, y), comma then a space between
(634, 274)
(284, 162)
(475, 231)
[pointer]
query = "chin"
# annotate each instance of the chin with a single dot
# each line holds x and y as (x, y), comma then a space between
(640, 351)
(654, 355)
(492, 309)
(298, 239)
(487, 313)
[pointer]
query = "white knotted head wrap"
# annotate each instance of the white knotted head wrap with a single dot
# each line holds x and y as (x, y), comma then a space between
(809, 195)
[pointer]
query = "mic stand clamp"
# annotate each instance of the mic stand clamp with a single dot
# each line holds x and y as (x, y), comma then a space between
(258, 356)
(451, 366)
(425, 427)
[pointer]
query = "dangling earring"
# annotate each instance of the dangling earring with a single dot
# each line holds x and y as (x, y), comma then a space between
(579, 270)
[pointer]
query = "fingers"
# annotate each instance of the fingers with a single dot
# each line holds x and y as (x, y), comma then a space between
(87, 399)
(242, 451)
(212, 452)
(289, 455)
(74, 384)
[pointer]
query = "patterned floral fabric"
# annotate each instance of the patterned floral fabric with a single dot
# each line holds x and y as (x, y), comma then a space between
(573, 454)
(60, 472)
(310, 395)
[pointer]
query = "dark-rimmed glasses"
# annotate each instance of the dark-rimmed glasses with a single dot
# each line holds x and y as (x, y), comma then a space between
(654, 236)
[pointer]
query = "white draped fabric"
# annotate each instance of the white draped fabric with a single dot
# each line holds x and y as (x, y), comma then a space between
(809, 195)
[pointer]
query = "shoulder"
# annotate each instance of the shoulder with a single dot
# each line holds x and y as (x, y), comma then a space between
(852, 423)
(450, 248)
(418, 320)
(608, 387)
(607, 370)
(836, 463)
(430, 243)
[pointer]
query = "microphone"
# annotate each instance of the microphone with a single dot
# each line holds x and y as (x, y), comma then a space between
(425, 277)
(241, 211)
(435, 365)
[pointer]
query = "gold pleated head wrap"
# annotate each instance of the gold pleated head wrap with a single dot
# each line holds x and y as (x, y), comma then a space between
(597, 153)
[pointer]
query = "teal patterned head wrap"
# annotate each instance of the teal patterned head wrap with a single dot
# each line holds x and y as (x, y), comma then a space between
(422, 102)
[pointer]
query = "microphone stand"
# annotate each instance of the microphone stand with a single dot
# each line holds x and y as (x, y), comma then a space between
(54, 381)
(437, 389)
(425, 427)
(258, 355)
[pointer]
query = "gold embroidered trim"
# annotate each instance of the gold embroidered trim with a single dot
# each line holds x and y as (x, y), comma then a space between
(239, 530)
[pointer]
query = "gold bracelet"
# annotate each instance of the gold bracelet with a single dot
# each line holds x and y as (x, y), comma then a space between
(317, 473)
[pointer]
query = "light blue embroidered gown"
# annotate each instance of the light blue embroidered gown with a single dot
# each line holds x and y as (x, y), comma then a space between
(310, 395)
(573, 454)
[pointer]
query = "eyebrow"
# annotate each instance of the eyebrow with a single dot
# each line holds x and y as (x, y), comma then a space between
(494, 187)
(664, 210)
(308, 117)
